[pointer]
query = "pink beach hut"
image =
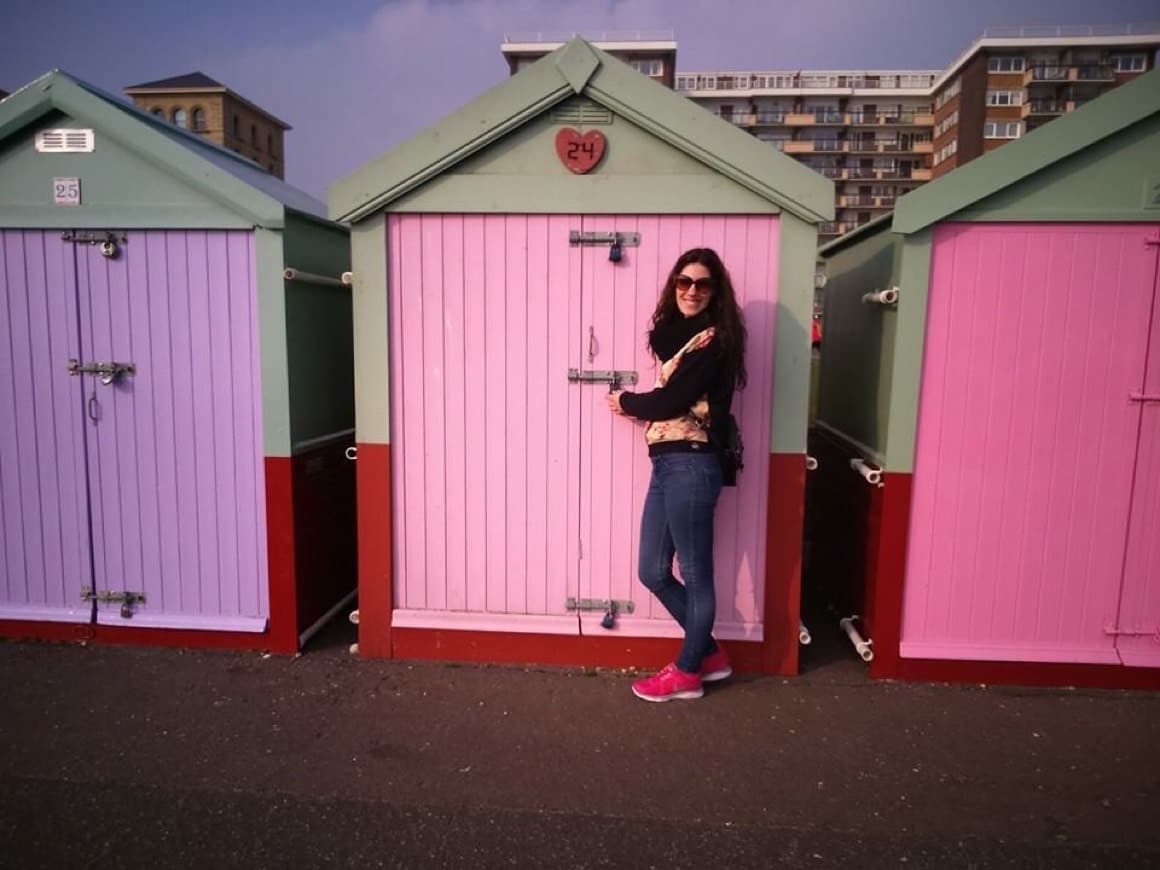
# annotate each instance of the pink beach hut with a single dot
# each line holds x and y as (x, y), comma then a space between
(506, 261)
(1010, 396)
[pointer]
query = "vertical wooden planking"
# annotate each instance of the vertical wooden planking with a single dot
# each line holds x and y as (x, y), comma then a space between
(23, 548)
(458, 378)
(495, 411)
(515, 400)
(145, 398)
(219, 365)
(1019, 504)
(410, 416)
(541, 367)
(431, 384)
(165, 305)
(475, 304)
(200, 322)
(400, 372)
(249, 467)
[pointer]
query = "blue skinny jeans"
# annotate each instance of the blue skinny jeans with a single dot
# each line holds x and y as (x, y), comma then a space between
(678, 519)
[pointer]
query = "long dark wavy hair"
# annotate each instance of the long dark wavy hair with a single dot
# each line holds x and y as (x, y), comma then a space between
(723, 311)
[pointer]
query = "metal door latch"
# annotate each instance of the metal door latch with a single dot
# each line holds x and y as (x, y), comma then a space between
(109, 371)
(614, 378)
(599, 605)
(127, 599)
(623, 240)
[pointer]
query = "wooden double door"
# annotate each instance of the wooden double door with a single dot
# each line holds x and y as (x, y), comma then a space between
(131, 477)
(517, 493)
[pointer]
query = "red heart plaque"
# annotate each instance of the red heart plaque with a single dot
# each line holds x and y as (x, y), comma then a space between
(580, 153)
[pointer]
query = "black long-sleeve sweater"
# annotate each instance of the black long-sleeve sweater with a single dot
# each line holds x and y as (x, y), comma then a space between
(701, 372)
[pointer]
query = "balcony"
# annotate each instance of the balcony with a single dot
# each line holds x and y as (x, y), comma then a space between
(833, 172)
(864, 201)
(828, 228)
(807, 146)
(1097, 72)
(797, 119)
(766, 118)
(920, 174)
(925, 147)
(1043, 108)
(864, 172)
(798, 146)
(1044, 74)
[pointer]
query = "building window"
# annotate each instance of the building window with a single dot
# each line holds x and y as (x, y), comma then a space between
(948, 150)
(686, 83)
(198, 115)
(254, 135)
(1004, 98)
(158, 111)
(1001, 64)
(949, 94)
(1002, 130)
(236, 128)
(648, 67)
(270, 144)
(1125, 63)
(179, 117)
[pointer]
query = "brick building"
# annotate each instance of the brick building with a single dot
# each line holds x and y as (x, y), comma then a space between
(202, 105)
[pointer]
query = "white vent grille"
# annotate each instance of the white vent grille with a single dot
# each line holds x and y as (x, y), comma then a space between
(64, 141)
(580, 111)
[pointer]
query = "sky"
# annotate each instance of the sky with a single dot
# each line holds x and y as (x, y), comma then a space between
(354, 77)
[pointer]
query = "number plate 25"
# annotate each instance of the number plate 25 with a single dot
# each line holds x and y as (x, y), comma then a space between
(580, 153)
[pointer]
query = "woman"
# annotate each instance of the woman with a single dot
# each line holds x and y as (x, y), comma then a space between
(698, 334)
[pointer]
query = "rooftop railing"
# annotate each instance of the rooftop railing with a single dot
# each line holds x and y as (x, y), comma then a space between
(1151, 28)
(591, 36)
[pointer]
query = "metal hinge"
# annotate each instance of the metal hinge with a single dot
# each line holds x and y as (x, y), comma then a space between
(127, 599)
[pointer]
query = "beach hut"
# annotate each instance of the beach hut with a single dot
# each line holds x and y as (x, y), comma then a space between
(993, 350)
(178, 387)
(506, 262)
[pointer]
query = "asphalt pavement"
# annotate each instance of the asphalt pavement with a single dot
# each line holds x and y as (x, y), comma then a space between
(139, 757)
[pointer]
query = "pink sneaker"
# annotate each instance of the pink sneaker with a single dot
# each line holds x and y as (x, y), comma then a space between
(716, 666)
(669, 684)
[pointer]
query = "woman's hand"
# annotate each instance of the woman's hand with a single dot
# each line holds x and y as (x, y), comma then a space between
(613, 400)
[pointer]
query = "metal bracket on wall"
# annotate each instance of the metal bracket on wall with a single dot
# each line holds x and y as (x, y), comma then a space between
(625, 240)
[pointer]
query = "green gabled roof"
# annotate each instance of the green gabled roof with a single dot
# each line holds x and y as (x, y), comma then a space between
(580, 68)
(235, 181)
(985, 176)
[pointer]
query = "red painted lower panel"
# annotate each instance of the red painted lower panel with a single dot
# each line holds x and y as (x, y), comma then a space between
(283, 631)
(887, 572)
(325, 552)
(18, 629)
(374, 550)
(783, 561)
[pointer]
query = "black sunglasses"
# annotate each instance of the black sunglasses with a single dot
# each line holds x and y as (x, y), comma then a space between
(684, 282)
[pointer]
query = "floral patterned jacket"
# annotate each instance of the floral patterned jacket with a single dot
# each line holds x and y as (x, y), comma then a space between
(693, 425)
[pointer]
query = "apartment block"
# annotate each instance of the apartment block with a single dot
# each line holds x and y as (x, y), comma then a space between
(202, 105)
(880, 133)
(1012, 80)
